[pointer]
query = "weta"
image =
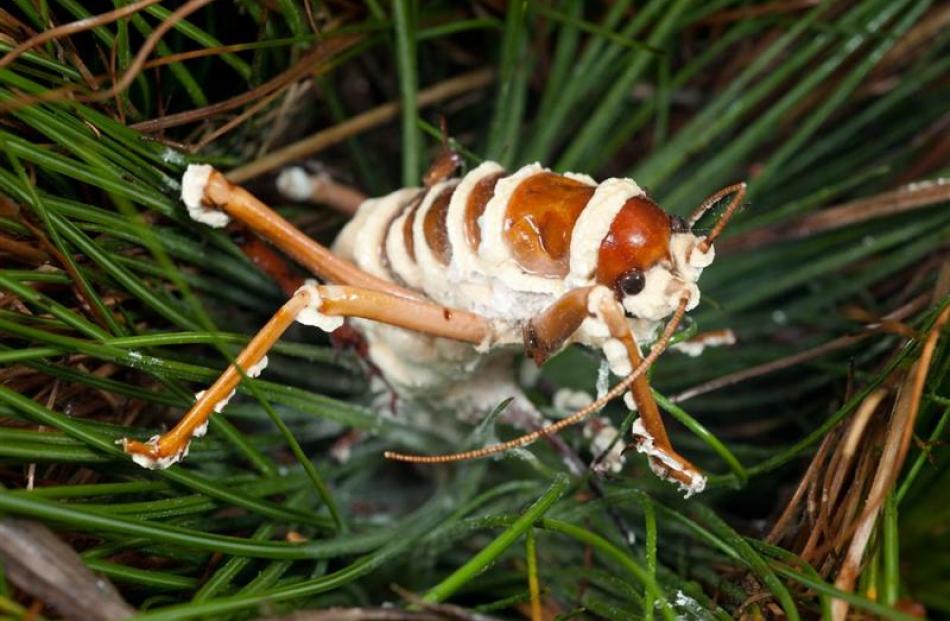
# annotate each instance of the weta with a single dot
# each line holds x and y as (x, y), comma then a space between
(448, 282)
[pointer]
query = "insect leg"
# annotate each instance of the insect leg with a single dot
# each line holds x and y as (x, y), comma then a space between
(171, 447)
(420, 316)
(206, 191)
(297, 184)
(547, 326)
(549, 331)
(667, 460)
(323, 306)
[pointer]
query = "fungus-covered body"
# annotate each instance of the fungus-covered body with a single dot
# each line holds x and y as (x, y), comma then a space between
(507, 246)
(447, 282)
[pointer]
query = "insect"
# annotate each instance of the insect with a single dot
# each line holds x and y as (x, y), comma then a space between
(449, 281)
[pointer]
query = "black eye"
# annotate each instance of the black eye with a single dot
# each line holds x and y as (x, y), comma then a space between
(632, 282)
(678, 225)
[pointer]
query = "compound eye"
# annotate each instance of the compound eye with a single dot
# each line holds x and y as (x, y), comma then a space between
(631, 283)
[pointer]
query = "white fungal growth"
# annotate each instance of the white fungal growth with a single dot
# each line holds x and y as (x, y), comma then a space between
(193, 185)
(310, 315)
(171, 156)
(200, 430)
(617, 357)
(295, 184)
(630, 402)
(688, 261)
(258, 368)
(603, 378)
(220, 405)
(593, 225)
(645, 444)
(156, 463)
(374, 217)
(695, 346)
(567, 400)
(395, 247)
(654, 301)
(687, 604)
(603, 435)
(435, 283)
(465, 260)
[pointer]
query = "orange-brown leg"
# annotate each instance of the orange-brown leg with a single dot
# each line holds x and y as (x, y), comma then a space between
(323, 306)
(646, 405)
(548, 332)
(207, 192)
(169, 448)
(298, 185)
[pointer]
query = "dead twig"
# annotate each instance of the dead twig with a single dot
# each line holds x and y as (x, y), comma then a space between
(310, 63)
(71, 28)
(38, 562)
(801, 357)
(910, 197)
(358, 124)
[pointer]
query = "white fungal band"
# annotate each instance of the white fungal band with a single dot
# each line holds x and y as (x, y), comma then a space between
(645, 444)
(593, 225)
(433, 271)
(193, 184)
(617, 357)
(310, 315)
(258, 367)
(372, 228)
(465, 259)
(401, 263)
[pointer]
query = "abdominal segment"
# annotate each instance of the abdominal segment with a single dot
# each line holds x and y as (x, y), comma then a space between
(538, 222)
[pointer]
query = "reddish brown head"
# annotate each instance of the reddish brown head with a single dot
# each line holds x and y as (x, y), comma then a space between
(639, 238)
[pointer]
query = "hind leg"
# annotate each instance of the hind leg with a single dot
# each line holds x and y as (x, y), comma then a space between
(323, 306)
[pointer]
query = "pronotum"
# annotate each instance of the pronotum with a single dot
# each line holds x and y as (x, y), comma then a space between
(448, 282)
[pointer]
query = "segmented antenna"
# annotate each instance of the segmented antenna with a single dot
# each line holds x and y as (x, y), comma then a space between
(739, 190)
(573, 419)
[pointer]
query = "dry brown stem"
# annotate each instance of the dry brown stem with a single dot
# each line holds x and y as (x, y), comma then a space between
(358, 124)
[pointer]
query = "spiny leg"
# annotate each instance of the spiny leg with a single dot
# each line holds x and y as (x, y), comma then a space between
(169, 448)
(207, 193)
(323, 306)
(268, 261)
(545, 328)
(668, 461)
(549, 331)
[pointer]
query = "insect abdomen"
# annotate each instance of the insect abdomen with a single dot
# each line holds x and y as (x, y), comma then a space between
(533, 230)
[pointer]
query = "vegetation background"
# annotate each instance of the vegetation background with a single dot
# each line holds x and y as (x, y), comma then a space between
(823, 427)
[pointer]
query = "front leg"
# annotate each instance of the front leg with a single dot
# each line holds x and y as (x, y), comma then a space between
(550, 331)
